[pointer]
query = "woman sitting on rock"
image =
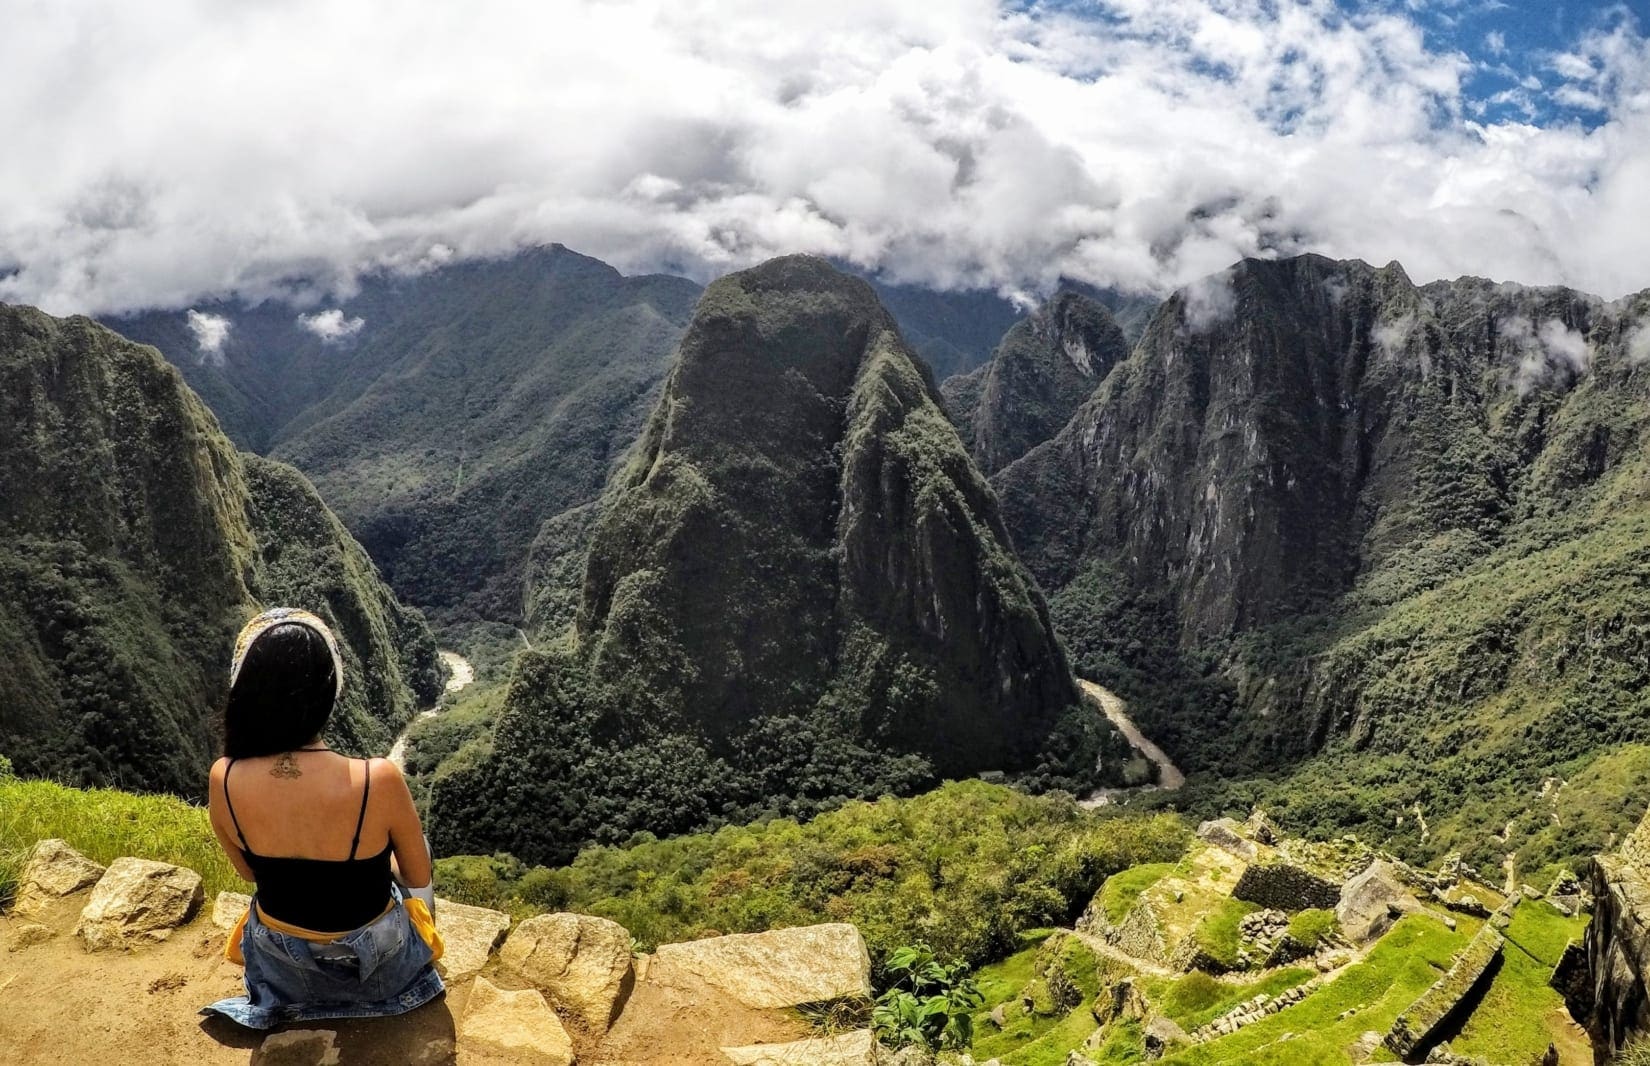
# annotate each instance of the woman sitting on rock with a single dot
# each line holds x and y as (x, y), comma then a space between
(330, 842)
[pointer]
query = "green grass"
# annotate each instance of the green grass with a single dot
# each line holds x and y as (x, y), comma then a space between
(1310, 927)
(1120, 892)
(105, 824)
(1402, 966)
(1217, 932)
(1515, 1020)
(1198, 999)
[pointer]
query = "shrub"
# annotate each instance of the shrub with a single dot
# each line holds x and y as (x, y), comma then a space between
(929, 1004)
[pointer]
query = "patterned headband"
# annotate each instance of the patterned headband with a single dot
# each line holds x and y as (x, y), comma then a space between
(278, 616)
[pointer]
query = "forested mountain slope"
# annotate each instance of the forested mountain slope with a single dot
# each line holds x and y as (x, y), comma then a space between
(798, 590)
(1323, 510)
(448, 415)
(134, 541)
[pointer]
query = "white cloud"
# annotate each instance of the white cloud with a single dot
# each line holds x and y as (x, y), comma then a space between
(1496, 42)
(1209, 301)
(210, 332)
(1638, 345)
(1545, 351)
(331, 325)
(162, 153)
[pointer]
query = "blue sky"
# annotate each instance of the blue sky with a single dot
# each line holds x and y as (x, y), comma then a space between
(166, 153)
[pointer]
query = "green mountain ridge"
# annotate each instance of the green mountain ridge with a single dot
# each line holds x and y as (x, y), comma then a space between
(797, 590)
(136, 542)
(1385, 539)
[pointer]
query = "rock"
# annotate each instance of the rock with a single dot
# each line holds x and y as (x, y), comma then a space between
(1162, 1036)
(1363, 1049)
(858, 1048)
(782, 967)
(910, 1055)
(228, 908)
(1260, 828)
(1227, 835)
(998, 1015)
(581, 961)
(1371, 900)
(137, 901)
(53, 870)
(519, 1025)
(1531, 892)
(299, 1047)
(1121, 1000)
(27, 935)
(1074, 1059)
(471, 934)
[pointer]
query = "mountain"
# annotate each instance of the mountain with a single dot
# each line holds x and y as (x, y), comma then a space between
(798, 589)
(446, 416)
(136, 541)
(1043, 370)
(1390, 536)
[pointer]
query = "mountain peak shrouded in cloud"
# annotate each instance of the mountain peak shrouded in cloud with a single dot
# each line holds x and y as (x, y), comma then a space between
(184, 151)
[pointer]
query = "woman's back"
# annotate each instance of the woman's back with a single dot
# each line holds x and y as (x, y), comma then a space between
(316, 843)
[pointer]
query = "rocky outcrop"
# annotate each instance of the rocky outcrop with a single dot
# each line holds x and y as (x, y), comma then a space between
(582, 962)
(470, 935)
(1371, 901)
(53, 870)
(1616, 1007)
(517, 1025)
(782, 967)
(138, 901)
(1043, 370)
(858, 1048)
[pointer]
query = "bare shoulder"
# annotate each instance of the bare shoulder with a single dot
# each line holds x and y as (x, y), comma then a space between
(385, 772)
(218, 768)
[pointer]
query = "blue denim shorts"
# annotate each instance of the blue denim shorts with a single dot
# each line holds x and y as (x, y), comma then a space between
(381, 969)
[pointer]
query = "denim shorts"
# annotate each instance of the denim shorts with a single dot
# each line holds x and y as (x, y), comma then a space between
(381, 969)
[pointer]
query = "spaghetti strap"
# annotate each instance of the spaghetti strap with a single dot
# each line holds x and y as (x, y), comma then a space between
(365, 792)
(245, 847)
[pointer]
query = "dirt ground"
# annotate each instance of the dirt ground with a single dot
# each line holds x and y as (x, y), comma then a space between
(62, 1005)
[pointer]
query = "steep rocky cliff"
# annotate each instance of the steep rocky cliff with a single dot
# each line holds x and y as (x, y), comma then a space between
(1320, 506)
(798, 586)
(134, 541)
(1043, 370)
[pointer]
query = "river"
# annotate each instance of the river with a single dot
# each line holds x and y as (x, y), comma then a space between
(462, 673)
(1169, 777)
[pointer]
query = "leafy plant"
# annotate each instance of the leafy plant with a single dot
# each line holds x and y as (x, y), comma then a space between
(930, 1004)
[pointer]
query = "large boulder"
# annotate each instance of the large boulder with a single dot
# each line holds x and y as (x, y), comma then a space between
(53, 870)
(517, 1026)
(858, 1048)
(583, 962)
(138, 902)
(1371, 901)
(782, 967)
(470, 934)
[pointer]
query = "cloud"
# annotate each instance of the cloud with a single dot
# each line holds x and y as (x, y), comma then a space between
(331, 325)
(1495, 42)
(165, 153)
(1209, 301)
(1545, 352)
(210, 332)
(1638, 345)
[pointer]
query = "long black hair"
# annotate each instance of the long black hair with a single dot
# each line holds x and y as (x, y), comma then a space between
(283, 695)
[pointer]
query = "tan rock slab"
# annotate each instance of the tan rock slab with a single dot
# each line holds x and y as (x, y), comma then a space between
(470, 933)
(582, 962)
(53, 870)
(299, 1047)
(858, 1048)
(782, 967)
(27, 935)
(228, 908)
(519, 1026)
(138, 901)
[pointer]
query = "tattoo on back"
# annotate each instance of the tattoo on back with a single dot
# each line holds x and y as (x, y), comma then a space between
(285, 766)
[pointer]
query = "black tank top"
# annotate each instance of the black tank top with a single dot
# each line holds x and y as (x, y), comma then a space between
(322, 895)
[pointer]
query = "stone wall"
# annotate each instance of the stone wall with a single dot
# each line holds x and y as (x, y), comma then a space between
(1286, 887)
(1421, 1020)
(1617, 951)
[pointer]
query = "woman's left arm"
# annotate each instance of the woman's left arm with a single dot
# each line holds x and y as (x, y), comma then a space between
(218, 815)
